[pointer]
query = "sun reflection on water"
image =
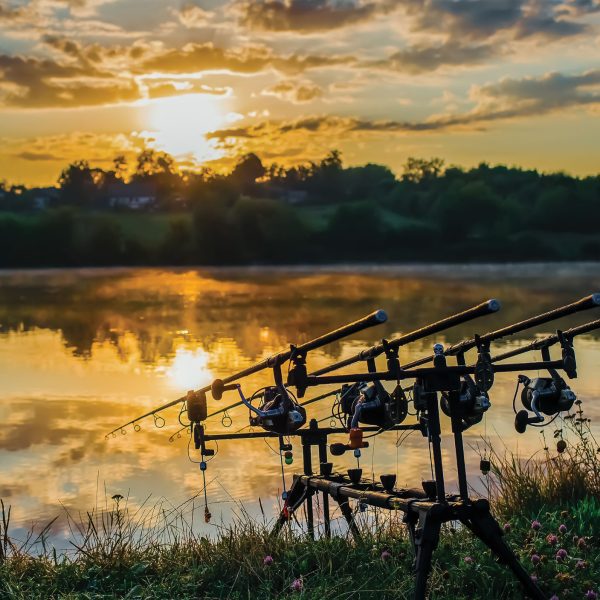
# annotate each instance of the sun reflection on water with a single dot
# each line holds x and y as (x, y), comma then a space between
(189, 369)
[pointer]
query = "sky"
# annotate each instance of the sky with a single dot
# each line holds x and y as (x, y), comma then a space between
(515, 82)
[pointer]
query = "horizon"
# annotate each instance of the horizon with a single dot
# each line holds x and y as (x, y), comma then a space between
(513, 83)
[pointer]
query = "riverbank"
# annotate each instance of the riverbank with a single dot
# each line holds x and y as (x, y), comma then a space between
(246, 562)
(548, 508)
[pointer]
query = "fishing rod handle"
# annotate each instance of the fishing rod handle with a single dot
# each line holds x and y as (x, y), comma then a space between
(549, 340)
(585, 303)
(485, 308)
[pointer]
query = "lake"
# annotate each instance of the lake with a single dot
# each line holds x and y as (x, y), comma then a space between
(82, 351)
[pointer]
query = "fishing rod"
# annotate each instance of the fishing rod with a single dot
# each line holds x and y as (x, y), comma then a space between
(480, 310)
(272, 362)
(585, 303)
(487, 307)
(550, 340)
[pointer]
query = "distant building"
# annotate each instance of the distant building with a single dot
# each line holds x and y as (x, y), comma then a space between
(43, 198)
(286, 195)
(135, 196)
(295, 196)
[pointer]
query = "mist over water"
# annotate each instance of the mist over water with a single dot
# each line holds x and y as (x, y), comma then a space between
(82, 351)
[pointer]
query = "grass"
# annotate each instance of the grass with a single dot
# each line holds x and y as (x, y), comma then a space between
(549, 508)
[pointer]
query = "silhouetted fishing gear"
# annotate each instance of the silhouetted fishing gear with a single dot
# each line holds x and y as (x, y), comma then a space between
(550, 340)
(363, 405)
(585, 303)
(273, 362)
(389, 346)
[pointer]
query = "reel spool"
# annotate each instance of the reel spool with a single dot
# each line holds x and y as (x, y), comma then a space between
(278, 412)
(371, 404)
(543, 396)
(472, 403)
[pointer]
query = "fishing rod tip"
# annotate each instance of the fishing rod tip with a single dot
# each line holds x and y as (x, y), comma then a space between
(381, 316)
(494, 305)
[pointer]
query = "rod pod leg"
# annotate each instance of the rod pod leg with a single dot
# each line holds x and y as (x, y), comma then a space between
(426, 538)
(478, 519)
(347, 512)
(295, 497)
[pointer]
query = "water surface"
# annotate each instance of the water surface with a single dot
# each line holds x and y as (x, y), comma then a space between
(83, 351)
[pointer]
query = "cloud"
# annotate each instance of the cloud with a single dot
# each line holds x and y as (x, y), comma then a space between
(10, 13)
(161, 89)
(64, 148)
(192, 16)
(38, 156)
(86, 75)
(531, 96)
(424, 58)
(194, 58)
(34, 83)
(308, 16)
(294, 91)
(506, 99)
(480, 19)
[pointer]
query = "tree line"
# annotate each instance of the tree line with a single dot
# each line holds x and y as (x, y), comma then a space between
(315, 212)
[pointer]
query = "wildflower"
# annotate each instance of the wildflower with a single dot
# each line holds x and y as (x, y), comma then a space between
(580, 564)
(297, 584)
(534, 577)
(555, 597)
(468, 560)
(506, 527)
(562, 528)
(581, 543)
(591, 595)
(561, 555)
(536, 525)
(535, 559)
(268, 560)
(386, 555)
(552, 539)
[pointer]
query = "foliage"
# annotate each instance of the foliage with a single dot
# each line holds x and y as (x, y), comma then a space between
(432, 212)
(549, 510)
(559, 479)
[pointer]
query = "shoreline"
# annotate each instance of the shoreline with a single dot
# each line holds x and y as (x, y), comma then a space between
(446, 270)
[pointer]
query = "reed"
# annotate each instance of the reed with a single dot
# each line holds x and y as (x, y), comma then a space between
(549, 506)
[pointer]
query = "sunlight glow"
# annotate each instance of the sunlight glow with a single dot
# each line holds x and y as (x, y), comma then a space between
(177, 125)
(189, 369)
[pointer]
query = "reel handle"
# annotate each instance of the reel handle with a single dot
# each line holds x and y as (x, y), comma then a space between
(218, 386)
(522, 419)
(339, 448)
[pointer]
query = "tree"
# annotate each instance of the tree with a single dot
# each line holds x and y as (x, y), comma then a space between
(248, 169)
(418, 170)
(79, 184)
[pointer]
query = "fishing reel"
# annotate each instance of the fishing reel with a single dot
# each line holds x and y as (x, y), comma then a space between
(471, 404)
(371, 404)
(543, 396)
(278, 412)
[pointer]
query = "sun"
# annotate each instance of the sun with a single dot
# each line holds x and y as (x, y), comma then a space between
(177, 125)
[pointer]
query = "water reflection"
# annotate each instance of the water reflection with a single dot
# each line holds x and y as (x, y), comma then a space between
(83, 351)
